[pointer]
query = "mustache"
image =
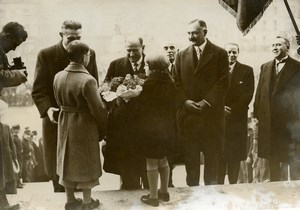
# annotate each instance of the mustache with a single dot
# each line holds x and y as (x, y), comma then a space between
(192, 39)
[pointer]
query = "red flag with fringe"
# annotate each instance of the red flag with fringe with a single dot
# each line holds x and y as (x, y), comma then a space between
(246, 12)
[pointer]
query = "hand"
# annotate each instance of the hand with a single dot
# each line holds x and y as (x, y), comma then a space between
(50, 113)
(227, 111)
(192, 106)
(248, 160)
(119, 101)
(202, 104)
(24, 74)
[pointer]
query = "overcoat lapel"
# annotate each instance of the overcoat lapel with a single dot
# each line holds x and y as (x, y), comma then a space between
(268, 76)
(287, 71)
(206, 56)
(188, 57)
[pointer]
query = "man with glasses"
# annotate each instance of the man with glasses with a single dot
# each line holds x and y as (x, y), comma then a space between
(49, 62)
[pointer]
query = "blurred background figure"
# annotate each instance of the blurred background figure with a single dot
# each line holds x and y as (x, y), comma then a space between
(39, 174)
(170, 50)
(15, 132)
(29, 160)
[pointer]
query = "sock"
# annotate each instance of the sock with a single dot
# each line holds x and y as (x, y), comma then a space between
(87, 195)
(70, 195)
(153, 182)
(164, 178)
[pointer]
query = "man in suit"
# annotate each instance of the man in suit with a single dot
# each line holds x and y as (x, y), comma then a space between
(50, 61)
(170, 51)
(118, 157)
(12, 35)
(237, 99)
(201, 79)
(277, 108)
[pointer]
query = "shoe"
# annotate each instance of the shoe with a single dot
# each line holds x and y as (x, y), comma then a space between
(75, 205)
(149, 201)
(92, 205)
(11, 207)
(163, 196)
(20, 186)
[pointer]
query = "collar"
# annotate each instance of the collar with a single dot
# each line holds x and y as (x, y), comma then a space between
(232, 66)
(202, 46)
(282, 60)
(139, 62)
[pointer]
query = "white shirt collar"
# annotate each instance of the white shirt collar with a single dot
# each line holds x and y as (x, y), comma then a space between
(231, 67)
(201, 46)
(284, 58)
(139, 63)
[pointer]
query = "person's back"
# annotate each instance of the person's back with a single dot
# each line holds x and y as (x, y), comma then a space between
(81, 125)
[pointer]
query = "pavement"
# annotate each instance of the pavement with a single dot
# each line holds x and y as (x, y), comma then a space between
(259, 196)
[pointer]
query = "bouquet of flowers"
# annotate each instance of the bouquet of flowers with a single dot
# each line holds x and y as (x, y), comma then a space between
(126, 88)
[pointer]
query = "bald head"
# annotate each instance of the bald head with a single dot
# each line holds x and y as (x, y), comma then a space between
(134, 47)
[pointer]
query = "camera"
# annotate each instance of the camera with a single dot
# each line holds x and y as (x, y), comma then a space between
(18, 64)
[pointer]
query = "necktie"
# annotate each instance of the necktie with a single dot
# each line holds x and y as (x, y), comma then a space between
(198, 51)
(230, 74)
(171, 67)
(135, 67)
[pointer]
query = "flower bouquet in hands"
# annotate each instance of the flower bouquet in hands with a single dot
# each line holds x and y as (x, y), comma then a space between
(125, 88)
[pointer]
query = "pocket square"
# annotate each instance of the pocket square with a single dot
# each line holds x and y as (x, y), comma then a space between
(241, 82)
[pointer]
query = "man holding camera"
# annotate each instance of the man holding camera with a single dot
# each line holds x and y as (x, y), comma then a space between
(12, 35)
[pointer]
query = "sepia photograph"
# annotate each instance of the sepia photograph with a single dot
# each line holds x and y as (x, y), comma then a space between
(149, 104)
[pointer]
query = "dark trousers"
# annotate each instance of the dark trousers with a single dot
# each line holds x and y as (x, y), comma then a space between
(3, 199)
(191, 152)
(233, 168)
(134, 182)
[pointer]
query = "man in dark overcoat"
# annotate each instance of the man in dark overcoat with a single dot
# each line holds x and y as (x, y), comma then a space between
(201, 79)
(12, 35)
(238, 97)
(50, 61)
(119, 158)
(277, 109)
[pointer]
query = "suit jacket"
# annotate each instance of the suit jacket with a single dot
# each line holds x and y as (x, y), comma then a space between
(238, 97)
(50, 61)
(277, 108)
(206, 80)
(118, 156)
(122, 66)
(81, 120)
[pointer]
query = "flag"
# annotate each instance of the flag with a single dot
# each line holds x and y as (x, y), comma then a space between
(246, 12)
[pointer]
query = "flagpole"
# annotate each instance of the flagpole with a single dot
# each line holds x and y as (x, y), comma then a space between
(294, 24)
